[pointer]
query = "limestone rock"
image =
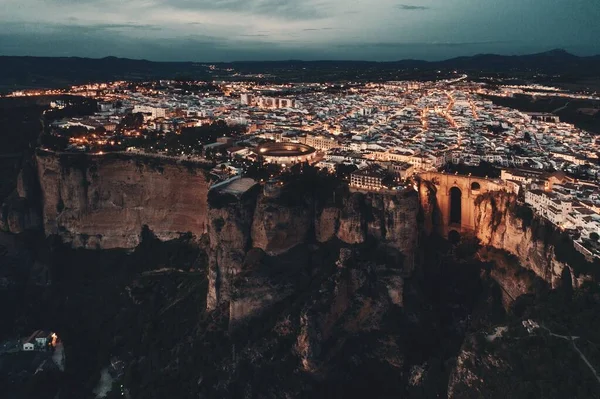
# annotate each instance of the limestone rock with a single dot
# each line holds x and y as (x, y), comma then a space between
(352, 221)
(27, 182)
(18, 215)
(262, 283)
(278, 227)
(109, 199)
(327, 224)
(356, 298)
(390, 219)
(229, 232)
(395, 287)
(308, 343)
(499, 227)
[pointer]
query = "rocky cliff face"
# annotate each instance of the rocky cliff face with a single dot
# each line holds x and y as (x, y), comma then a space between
(21, 209)
(429, 207)
(279, 226)
(355, 299)
(275, 224)
(103, 202)
(390, 219)
(230, 224)
(498, 226)
(524, 352)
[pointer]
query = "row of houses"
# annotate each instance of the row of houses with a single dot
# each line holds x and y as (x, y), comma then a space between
(569, 205)
(374, 176)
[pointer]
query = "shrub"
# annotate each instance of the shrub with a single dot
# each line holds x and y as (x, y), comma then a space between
(525, 213)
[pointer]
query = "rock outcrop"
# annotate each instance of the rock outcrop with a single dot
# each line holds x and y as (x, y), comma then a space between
(352, 223)
(498, 226)
(390, 219)
(229, 229)
(274, 224)
(327, 224)
(262, 283)
(21, 210)
(279, 226)
(18, 215)
(104, 201)
(512, 279)
(354, 299)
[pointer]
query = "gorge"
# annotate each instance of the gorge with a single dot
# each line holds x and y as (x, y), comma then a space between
(334, 284)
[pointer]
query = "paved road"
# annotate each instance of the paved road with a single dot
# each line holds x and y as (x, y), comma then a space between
(561, 108)
(572, 339)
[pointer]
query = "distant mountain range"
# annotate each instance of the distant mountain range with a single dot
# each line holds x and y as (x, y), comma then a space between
(29, 72)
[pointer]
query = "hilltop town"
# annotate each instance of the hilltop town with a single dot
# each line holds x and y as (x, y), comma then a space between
(377, 136)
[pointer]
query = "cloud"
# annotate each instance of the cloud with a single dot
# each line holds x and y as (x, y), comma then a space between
(283, 9)
(212, 30)
(473, 43)
(77, 27)
(125, 26)
(410, 7)
(101, 41)
(401, 45)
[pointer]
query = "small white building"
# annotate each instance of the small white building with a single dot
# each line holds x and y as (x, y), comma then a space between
(154, 112)
(38, 340)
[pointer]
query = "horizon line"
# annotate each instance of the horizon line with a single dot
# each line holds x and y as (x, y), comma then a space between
(553, 50)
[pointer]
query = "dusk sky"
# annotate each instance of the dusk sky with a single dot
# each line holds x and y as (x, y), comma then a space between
(227, 30)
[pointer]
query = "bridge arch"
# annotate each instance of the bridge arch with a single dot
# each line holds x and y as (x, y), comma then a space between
(460, 191)
(455, 194)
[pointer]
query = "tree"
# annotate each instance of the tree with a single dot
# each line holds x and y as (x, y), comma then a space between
(343, 171)
(132, 121)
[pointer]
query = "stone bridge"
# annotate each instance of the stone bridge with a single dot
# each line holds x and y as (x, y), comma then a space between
(455, 195)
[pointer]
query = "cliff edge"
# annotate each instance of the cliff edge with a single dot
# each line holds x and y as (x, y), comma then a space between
(254, 231)
(504, 224)
(102, 202)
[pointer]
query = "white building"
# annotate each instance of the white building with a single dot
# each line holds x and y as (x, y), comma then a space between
(267, 102)
(154, 112)
(367, 179)
(245, 98)
(321, 143)
(549, 205)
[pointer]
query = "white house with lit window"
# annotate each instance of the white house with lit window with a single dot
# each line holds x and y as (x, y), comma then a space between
(549, 205)
(367, 179)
